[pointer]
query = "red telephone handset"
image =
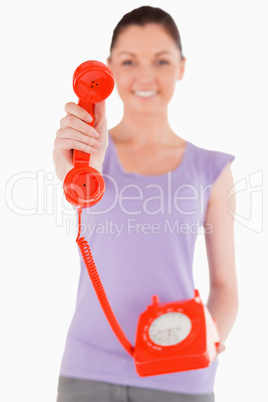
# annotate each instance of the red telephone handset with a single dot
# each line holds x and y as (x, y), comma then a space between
(170, 337)
(84, 186)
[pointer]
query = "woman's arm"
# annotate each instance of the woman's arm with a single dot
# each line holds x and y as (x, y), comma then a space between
(223, 296)
(62, 167)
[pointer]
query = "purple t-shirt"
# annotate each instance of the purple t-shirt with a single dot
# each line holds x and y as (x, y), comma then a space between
(142, 236)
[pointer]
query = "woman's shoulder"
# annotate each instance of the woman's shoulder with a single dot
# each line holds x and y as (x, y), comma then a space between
(209, 161)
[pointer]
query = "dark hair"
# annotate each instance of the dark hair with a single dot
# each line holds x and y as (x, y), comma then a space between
(146, 15)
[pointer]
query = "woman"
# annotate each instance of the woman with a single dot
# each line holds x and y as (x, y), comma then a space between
(159, 189)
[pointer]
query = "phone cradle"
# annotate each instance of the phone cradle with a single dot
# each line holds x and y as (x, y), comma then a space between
(175, 337)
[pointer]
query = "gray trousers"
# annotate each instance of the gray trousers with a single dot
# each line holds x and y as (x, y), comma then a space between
(76, 390)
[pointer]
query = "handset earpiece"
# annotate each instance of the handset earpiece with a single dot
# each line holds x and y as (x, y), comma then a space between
(84, 186)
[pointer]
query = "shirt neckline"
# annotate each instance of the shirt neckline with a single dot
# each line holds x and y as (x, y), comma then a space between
(139, 175)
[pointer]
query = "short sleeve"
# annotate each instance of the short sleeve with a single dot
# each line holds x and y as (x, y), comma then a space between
(216, 163)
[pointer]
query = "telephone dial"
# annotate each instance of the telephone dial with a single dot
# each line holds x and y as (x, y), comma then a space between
(170, 337)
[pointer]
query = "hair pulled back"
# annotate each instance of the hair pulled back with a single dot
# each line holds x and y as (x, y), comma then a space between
(148, 15)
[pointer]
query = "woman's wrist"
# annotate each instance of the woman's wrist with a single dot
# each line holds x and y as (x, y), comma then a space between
(96, 162)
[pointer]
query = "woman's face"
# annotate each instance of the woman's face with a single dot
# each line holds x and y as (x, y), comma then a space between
(146, 64)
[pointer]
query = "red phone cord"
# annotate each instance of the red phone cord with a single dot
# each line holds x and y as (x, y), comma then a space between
(96, 282)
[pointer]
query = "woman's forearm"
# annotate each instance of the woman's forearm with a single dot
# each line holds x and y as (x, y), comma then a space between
(61, 166)
(223, 306)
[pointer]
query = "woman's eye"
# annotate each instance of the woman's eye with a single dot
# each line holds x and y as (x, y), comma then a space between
(127, 62)
(161, 62)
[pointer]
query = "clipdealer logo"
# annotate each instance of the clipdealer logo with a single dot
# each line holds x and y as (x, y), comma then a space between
(40, 193)
(133, 226)
(249, 196)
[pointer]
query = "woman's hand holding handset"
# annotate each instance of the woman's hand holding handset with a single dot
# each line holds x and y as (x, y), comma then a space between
(76, 133)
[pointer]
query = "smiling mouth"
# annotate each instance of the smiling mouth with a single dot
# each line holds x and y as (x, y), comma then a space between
(145, 94)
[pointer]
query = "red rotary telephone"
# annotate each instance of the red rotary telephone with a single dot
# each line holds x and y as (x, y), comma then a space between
(174, 337)
(170, 337)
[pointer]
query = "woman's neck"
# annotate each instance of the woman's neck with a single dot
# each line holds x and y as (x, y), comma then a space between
(141, 129)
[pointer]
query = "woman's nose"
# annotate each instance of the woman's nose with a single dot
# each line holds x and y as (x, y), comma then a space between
(145, 74)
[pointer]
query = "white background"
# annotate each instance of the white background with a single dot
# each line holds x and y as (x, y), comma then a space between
(220, 104)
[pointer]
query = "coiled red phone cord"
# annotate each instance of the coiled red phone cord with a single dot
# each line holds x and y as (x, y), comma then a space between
(98, 287)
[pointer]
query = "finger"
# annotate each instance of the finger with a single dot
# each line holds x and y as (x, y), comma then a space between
(74, 135)
(221, 348)
(70, 144)
(100, 112)
(78, 111)
(71, 121)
